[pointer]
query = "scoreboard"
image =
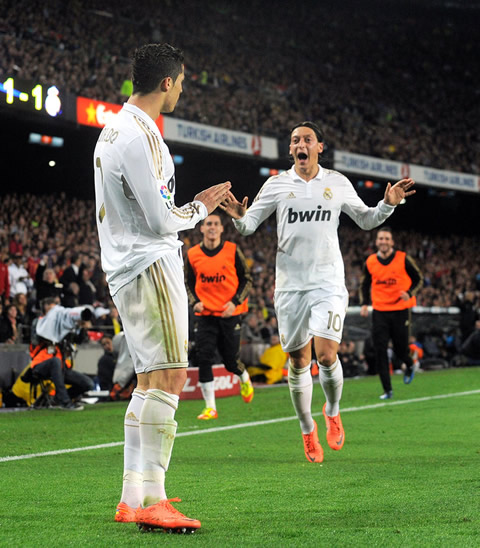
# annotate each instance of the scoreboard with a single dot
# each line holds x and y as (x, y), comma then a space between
(34, 97)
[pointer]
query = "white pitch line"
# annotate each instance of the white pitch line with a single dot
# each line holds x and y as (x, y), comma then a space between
(241, 425)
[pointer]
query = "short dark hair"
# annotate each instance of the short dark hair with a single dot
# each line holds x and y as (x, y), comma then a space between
(385, 229)
(318, 132)
(152, 63)
(216, 213)
(47, 301)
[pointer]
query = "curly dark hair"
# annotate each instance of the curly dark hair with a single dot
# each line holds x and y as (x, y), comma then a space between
(152, 63)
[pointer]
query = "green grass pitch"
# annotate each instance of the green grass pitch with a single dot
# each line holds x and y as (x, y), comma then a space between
(408, 474)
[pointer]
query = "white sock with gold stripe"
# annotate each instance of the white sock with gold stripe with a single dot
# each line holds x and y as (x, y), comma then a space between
(157, 435)
(132, 465)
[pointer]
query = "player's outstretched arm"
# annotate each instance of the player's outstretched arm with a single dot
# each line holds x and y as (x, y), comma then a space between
(400, 190)
(211, 197)
(233, 207)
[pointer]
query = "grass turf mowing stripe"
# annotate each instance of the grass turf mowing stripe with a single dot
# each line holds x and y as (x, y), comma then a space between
(242, 425)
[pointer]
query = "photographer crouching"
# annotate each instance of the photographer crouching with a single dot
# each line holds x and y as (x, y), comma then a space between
(52, 349)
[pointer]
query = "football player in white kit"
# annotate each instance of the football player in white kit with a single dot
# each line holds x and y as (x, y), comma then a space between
(138, 224)
(310, 293)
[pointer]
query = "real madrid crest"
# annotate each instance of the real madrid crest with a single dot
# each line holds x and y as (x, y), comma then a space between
(328, 194)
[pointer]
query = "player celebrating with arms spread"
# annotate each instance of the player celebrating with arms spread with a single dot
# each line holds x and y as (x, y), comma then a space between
(310, 293)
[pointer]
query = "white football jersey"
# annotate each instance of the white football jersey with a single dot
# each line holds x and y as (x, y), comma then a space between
(308, 253)
(137, 219)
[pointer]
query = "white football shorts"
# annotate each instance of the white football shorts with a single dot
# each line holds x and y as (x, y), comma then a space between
(302, 315)
(154, 312)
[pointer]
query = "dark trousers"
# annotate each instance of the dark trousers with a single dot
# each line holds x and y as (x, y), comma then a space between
(80, 383)
(223, 334)
(395, 326)
(51, 369)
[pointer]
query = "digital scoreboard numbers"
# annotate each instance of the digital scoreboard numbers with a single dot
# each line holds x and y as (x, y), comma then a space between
(31, 96)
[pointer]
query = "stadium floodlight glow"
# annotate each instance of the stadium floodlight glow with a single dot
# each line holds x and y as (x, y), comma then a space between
(370, 185)
(178, 159)
(269, 171)
(45, 140)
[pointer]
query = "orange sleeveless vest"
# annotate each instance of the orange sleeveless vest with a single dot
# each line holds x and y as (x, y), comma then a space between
(388, 281)
(216, 280)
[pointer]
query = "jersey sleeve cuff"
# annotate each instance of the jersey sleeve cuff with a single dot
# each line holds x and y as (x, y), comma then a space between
(203, 211)
(386, 207)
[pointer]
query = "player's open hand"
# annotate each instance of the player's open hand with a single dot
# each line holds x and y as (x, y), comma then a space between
(398, 192)
(233, 207)
(211, 197)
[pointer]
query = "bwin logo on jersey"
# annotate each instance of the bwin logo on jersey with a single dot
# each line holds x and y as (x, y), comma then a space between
(217, 278)
(310, 215)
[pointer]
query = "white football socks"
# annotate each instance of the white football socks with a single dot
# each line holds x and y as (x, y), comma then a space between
(157, 434)
(208, 393)
(301, 388)
(245, 377)
(132, 470)
(331, 380)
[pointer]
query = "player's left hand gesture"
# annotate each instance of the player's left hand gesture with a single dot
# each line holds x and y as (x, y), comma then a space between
(399, 191)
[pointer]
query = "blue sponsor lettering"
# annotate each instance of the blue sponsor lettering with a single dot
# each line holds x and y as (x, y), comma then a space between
(363, 164)
(457, 180)
(204, 135)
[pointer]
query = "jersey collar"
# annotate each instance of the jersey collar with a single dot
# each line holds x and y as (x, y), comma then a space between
(132, 109)
(294, 175)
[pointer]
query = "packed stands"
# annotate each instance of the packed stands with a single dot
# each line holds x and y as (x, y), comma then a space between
(394, 80)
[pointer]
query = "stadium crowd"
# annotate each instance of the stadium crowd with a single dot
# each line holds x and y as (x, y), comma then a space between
(49, 247)
(251, 67)
(381, 81)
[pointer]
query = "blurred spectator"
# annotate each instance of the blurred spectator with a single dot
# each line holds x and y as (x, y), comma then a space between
(416, 352)
(4, 278)
(87, 292)
(271, 364)
(24, 317)
(20, 281)
(106, 364)
(15, 246)
(124, 378)
(70, 296)
(114, 318)
(351, 363)
(72, 272)
(9, 332)
(252, 344)
(469, 313)
(46, 283)
(33, 260)
(471, 347)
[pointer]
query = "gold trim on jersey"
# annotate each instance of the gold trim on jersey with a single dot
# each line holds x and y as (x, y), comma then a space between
(155, 147)
(185, 212)
(414, 290)
(101, 213)
(172, 348)
(246, 290)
